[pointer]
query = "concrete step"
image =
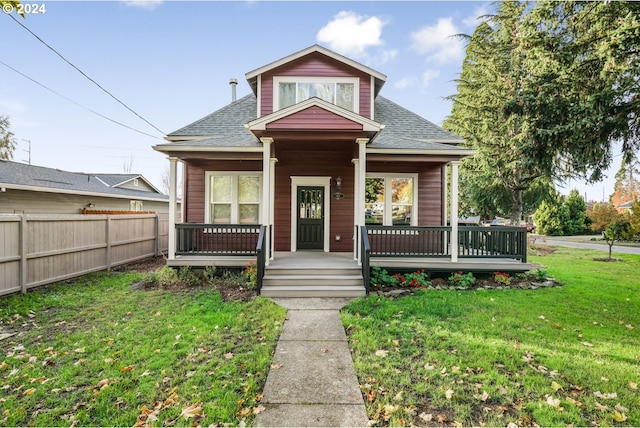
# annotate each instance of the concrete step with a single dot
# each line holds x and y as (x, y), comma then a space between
(313, 291)
(310, 280)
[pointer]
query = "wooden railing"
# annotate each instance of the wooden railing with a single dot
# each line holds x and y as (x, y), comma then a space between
(365, 253)
(261, 258)
(216, 239)
(473, 241)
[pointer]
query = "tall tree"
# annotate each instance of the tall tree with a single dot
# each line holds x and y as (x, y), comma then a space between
(627, 186)
(581, 91)
(498, 179)
(7, 141)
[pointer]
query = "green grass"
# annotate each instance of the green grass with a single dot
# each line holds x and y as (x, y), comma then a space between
(97, 353)
(559, 356)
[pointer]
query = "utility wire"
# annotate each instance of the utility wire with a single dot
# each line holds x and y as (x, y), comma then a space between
(78, 104)
(83, 73)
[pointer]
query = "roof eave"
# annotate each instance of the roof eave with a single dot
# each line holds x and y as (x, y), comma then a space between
(81, 192)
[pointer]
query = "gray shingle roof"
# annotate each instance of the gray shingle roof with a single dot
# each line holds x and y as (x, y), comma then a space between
(403, 128)
(19, 174)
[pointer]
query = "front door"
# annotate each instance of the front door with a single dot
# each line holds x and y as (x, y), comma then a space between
(310, 218)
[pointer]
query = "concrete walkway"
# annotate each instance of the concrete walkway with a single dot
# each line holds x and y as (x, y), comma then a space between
(312, 382)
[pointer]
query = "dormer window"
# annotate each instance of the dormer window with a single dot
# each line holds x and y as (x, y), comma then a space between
(341, 91)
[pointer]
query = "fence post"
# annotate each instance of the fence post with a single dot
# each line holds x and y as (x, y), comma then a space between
(23, 253)
(157, 232)
(108, 239)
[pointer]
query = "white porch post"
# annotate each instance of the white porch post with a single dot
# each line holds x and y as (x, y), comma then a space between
(173, 199)
(272, 195)
(445, 205)
(266, 193)
(454, 211)
(362, 178)
(356, 208)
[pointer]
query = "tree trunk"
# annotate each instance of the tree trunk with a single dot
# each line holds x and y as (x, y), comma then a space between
(516, 208)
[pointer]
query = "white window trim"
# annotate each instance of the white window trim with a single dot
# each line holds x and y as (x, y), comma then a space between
(310, 79)
(388, 214)
(234, 194)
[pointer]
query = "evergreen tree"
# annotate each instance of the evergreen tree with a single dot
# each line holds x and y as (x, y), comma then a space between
(7, 141)
(498, 180)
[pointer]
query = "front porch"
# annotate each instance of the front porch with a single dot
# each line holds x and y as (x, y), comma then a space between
(479, 249)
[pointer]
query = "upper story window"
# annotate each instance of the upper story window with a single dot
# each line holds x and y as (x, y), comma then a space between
(341, 91)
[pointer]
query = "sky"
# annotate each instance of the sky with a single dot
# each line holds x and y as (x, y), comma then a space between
(164, 64)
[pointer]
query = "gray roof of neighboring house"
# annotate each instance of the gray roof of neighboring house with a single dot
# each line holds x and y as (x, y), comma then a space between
(22, 175)
(403, 128)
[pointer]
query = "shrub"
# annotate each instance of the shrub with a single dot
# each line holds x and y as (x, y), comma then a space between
(164, 277)
(188, 277)
(210, 273)
(460, 279)
(381, 278)
(415, 279)
(251, 275)
(502, 278)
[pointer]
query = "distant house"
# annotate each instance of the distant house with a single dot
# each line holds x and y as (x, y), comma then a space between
(29, 189)
(626, 207)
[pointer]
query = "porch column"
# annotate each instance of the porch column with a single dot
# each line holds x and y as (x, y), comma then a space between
(361, 180)
(272, 194)
(173, 198)
(266, 193)
(356, 208)
(454, 211)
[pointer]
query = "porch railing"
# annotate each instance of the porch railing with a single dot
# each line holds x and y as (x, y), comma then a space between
(473, 241)
(261, 257)
(216, 239)
(365, 251)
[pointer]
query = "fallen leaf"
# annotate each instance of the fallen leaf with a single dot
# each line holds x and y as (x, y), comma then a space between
(371, 395)
(541, 317)
(395, 342)
(633, 385)
(381, 353)
(40, 379)
(553, 402)
(601, 407)
(102, 383)
(127, 368)
(29, 391)
(587, 344)
(629, 326)
(192, 411)
(244, 412)
(429, 367)
(485, 396)
(621, 408)
(108, 360)
(398, 396)
(259, 409)
(427, 417)
(4, 365)
(80, 350)
(574, 402)
(324, 350)
(555, 385)
(619, 417)
(228, 355)
(448, 393)
(606, 395)
(276, 366)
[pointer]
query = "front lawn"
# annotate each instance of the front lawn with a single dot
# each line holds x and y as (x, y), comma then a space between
(554, 356)
(96, 352)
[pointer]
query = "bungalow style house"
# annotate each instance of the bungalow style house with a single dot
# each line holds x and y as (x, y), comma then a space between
(317, 176)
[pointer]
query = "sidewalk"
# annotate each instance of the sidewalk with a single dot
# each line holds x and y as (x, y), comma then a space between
(312, 382)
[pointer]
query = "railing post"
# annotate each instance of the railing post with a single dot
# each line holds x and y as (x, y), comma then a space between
(365, 255)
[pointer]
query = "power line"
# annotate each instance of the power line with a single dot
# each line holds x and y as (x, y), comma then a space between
(84, 74)
(76, 103)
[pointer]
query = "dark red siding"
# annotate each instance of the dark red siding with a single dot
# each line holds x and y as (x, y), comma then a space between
(194, 183)
(316, 65)
(314, 118)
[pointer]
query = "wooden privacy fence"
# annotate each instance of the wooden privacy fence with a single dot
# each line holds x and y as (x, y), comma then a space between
(41, 249)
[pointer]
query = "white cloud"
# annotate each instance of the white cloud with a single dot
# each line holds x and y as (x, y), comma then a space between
(351, 34)
(405, 82)
(143, 4)
(428, 76)
(475, 18)
(439, 41)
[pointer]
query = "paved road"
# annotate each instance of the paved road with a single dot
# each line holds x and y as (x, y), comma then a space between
(567, 242)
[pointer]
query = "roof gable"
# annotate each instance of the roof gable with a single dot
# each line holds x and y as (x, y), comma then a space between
(252, 76)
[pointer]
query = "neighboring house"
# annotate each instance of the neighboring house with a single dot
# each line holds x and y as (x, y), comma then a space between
(29, 189)
(626, 207)
(314, 154)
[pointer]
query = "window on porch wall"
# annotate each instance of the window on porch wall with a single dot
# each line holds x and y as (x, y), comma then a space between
(384, 210)
(234, 199)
